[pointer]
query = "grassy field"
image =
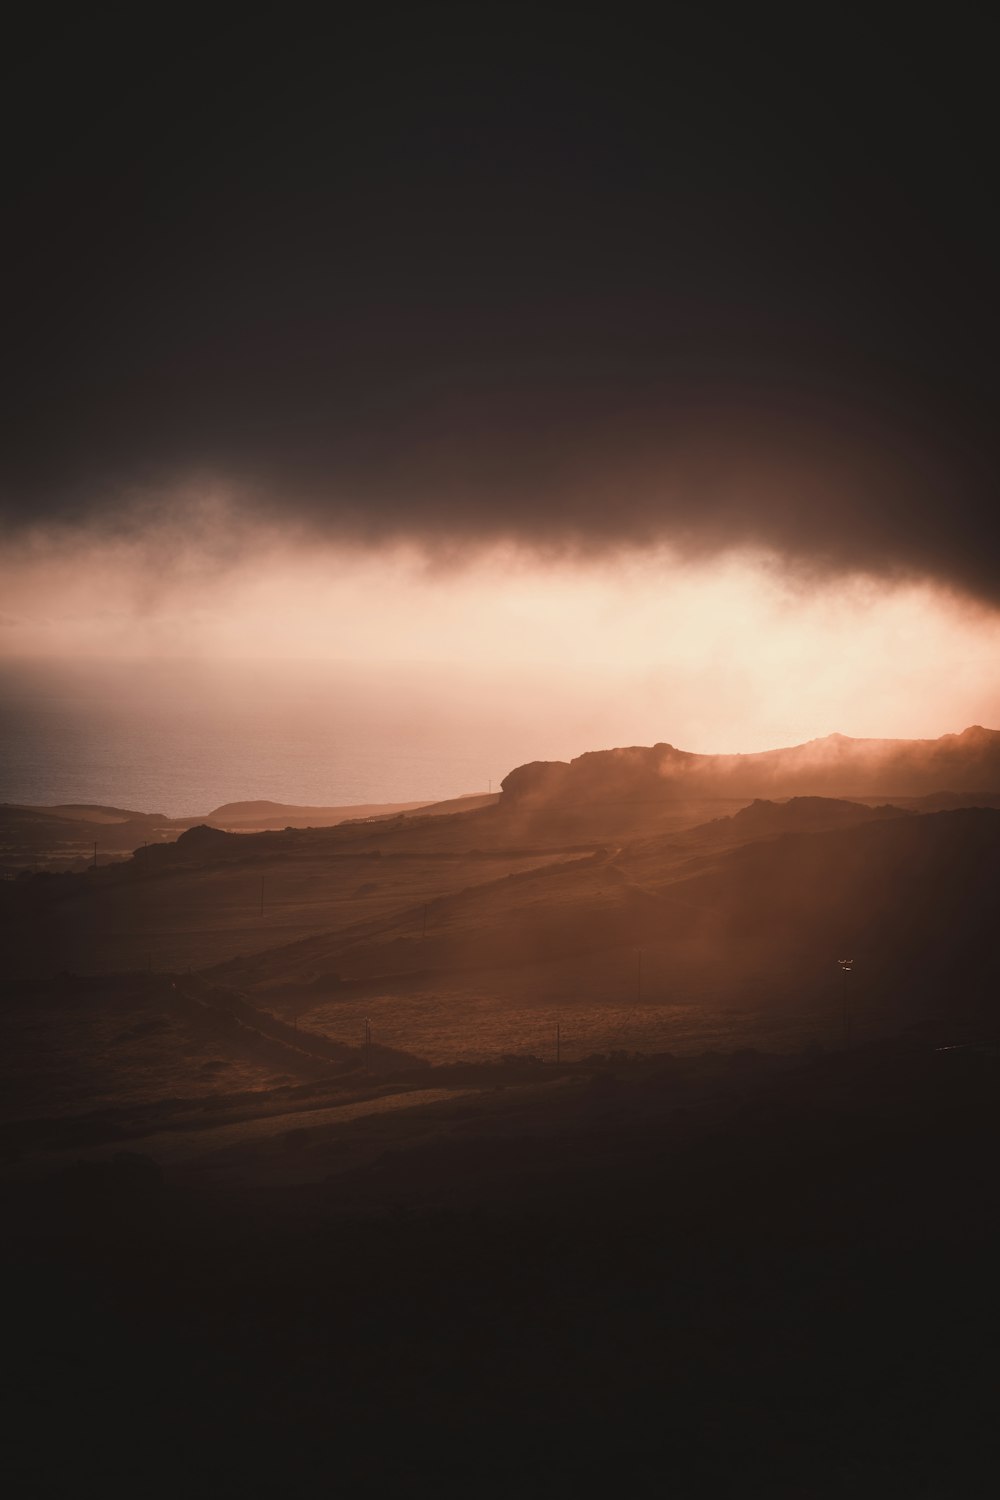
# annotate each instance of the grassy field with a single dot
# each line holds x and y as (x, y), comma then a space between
(161, 992)
(192, 917)
(323, 1170)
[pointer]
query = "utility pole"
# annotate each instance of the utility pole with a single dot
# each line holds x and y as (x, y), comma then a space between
(846, 966)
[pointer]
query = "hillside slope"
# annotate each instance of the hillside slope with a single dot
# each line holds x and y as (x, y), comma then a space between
(650, 930)
(836, 766)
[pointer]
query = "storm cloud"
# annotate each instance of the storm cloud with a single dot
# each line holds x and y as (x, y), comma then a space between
(458, 278)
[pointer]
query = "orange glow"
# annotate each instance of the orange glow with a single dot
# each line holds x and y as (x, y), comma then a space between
(723, 654)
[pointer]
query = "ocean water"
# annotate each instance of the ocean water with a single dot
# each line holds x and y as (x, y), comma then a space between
(182, 737)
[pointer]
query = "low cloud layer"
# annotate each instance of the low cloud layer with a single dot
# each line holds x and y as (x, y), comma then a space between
(549, 286)
(711, 653)
(821, 491)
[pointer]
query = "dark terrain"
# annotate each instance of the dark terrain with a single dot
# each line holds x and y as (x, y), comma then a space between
(579, 1138)
(728, 1274)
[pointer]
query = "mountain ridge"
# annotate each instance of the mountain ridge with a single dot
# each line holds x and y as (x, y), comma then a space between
(836, 765)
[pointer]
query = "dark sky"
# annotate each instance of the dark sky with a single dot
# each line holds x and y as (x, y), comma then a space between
(457, 273)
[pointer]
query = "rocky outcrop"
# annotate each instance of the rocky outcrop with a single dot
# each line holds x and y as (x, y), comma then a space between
(836, 766)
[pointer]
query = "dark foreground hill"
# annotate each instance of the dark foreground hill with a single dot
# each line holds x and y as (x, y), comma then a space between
(734, 1275)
